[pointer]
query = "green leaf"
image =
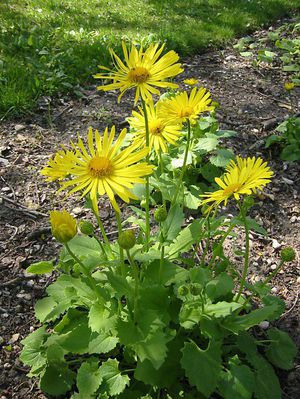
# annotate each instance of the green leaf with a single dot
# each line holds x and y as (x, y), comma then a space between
(84, 247)
(237, 382)
(272, 310)
(219, 287)
(61, 288)
(222, 157)
(221, 309)
(273, 139)
(226, 133)
(154, 348)
(282, 351)
(172, 225)
(209, 172)
(252, 225)
(291, 68)
(33, 353)
(264, 379)
(291, 152)
(186, 238)
(88, 379)
(192, 201)
(113, 382)
(264, 373)
(47, 309)
(170, 371)
(40, 267)
(102, 343)
(208, 143)
(57, 381)
(202, 367)
(100, 318)
(120, 285)
(169, 274)
(75, 337)
(246, 53)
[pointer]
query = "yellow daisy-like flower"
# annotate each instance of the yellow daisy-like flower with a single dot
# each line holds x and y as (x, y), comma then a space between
(63, 226)
(142, 70)
(244, 176)
(161, 132)
(102, 168)
(182, 107)
(57, 167)
(191, 81)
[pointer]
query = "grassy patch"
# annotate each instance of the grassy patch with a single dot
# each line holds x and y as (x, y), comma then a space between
(52, 46)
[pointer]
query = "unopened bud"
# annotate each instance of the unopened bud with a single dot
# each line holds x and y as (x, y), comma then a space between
(161, 214)
(126, 239)
(183, 290)
(143, 203)
(86, 228)
(288, 254)
(63, 226)
(195, 289)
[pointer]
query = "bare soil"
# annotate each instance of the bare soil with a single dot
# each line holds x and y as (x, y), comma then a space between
(253, 102)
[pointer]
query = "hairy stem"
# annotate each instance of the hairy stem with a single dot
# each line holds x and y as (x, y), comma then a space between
(85, 271)
(246, 257)
(184, 162)
(121, 251)
(147, 178)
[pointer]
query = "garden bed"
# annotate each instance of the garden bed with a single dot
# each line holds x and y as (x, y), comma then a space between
(252, 102)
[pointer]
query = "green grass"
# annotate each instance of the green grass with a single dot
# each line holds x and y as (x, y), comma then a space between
(53, 46)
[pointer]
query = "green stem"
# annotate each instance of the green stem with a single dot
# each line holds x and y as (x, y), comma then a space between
(119, 223)
(85, 271)
(246, 258)
(136, 281)
(210, 265)
(161, 172)
(184, 162)
(101, 246)
(267, 280)
(147, 178)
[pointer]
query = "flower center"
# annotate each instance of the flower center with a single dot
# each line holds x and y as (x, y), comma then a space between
(186, 112)
(100, 167)
(156, 127)
(233, 188)
(138, 75)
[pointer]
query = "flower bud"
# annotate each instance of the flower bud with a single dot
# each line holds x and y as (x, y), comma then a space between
(287, 254)
(195, 289)
(126, 239)
(143, 203)
(63, 226)
(183, 290)
(86, 228)
(161, 214)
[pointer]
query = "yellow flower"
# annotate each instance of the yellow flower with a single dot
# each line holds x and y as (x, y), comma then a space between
(182, 108)
(244, 176)
(289, 86)
(161, 132)
(57, 168)
(63, 226)
(103, 168)
(191, 81)
(142, 70)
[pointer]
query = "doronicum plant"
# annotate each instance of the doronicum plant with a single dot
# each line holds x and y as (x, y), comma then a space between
(149, 315)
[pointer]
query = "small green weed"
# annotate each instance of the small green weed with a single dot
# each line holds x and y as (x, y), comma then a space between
(281, 47)
(289, 139)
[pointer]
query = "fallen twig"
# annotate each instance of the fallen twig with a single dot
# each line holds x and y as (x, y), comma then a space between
(19, 207)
